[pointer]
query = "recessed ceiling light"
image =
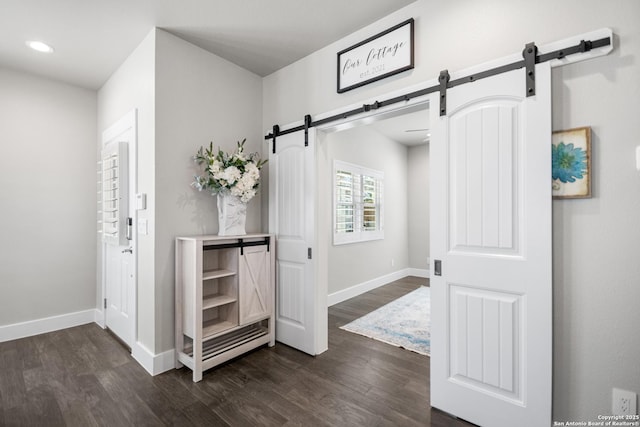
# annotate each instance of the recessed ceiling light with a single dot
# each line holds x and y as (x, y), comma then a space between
(40, 46)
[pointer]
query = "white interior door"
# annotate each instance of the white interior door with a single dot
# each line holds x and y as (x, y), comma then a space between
(292, 220)
(491, 361)
(118, 202)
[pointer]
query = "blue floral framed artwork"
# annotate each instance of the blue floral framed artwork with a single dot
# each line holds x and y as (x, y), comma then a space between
(571, 163)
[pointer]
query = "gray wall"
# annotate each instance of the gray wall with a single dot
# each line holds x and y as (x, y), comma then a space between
(596, 241)
(355, 263)
(48, 198)
(418, 206)
(199, 98)
(185, 97)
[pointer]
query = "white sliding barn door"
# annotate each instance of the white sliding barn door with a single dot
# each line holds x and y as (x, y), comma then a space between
(292, 220)
(491, 361)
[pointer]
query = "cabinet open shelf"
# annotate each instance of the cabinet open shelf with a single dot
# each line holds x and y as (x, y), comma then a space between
(217, 274)
(213, 327)
(216, 300)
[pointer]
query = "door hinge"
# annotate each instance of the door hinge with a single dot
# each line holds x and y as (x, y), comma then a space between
(105, 303)
(309, 253)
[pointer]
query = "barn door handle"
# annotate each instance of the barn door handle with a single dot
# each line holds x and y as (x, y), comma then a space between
(437, 267)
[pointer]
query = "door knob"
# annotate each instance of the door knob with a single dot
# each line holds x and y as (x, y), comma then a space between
(130, 250)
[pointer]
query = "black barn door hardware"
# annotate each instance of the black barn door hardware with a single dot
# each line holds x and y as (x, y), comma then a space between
(529, 61)
(437, 267)
(444, 81)
(240, 243)
(275, 132)
(529, 53)
(307, 123)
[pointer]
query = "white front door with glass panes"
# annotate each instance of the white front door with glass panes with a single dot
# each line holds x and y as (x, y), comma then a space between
(357, 206)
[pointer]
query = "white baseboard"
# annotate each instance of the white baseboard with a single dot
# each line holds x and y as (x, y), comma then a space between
(48, 324)
(419, 272)
(369, 285)
(153, 363)
(99, 318)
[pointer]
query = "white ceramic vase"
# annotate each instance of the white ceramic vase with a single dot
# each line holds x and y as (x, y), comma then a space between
(232, 215)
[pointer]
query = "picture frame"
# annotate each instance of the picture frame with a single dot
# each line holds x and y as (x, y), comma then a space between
(380, 56)
(571, 163)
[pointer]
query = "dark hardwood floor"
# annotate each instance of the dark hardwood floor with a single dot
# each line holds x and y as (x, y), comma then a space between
(84, 377)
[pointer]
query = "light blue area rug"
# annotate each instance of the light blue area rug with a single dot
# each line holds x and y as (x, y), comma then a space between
(405, 322)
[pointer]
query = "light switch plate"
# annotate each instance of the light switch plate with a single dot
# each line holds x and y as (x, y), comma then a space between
(143, 227)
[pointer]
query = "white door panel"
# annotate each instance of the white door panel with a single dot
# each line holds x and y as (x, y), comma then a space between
(491, 229)
(292, 220)
(119, 259)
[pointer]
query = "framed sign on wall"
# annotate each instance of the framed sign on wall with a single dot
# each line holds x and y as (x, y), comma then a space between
(385, 54)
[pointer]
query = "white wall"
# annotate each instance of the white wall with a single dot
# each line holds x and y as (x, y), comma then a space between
(133, 86)
(418, 209)
(356, 263)
(48, 198)
(596, 241)
(199, 98)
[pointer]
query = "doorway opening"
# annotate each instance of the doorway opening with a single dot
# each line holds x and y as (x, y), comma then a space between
(395, 143)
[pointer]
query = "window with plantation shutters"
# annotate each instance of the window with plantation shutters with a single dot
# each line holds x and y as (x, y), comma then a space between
(357, 203)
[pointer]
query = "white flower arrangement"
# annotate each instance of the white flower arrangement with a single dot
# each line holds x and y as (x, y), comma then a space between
(236, 174)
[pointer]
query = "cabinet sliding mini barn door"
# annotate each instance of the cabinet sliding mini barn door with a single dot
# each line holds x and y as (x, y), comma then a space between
(255, 283)
(491, 234)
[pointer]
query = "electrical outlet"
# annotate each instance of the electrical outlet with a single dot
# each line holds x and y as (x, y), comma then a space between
(623, 402)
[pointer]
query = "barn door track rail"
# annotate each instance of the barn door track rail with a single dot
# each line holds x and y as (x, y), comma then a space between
(530, 56)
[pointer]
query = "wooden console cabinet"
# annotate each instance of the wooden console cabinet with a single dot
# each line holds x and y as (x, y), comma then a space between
(225, 298)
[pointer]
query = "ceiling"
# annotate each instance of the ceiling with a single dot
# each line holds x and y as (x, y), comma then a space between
(92, 38)
(407, 129)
